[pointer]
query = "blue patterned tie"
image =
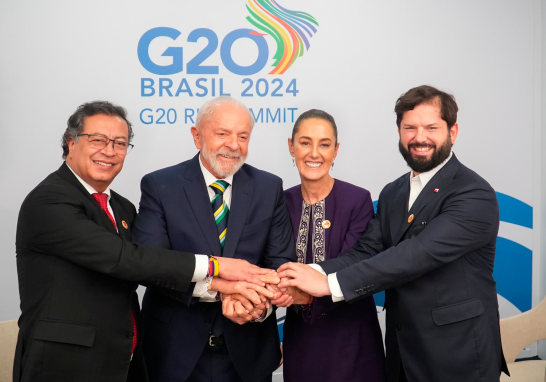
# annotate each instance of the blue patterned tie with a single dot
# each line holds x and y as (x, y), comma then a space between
(220, 209)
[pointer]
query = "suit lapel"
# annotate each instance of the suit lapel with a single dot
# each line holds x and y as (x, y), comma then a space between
(198, 198)
(243, 188)
(399, 210)
(67, 175)
(439, 182)
(121, 217)
(329, 208)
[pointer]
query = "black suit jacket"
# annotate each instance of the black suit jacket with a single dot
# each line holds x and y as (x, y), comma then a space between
(175, 212)
(441, 301)
(77, 281)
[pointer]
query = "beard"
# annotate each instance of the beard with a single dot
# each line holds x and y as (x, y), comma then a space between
(421, 164)
(219, 167)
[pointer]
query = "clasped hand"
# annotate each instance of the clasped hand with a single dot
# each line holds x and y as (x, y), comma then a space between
(248, 290)
(245, 301)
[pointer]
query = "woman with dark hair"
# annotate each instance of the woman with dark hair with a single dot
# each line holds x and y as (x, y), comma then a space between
(323, 340)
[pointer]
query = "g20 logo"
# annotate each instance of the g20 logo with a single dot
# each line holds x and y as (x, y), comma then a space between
(195, 64)
(291, 31)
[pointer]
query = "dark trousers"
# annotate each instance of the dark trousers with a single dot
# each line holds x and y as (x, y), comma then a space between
(402, 376)
(215, 365)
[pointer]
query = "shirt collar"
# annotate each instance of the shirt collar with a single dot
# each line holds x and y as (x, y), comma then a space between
(209, 178)
(89, 189)
(424, 177)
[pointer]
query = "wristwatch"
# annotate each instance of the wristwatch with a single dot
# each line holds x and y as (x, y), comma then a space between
(261, 318)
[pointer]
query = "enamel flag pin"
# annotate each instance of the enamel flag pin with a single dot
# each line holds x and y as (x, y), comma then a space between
(124, 224)
(410, 219)
(436, 189)
(326, 224)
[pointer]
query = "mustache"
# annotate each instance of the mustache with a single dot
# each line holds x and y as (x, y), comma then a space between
(421, 145)
(228, 152)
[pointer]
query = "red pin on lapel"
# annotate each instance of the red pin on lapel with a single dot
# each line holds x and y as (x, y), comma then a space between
(436, 189)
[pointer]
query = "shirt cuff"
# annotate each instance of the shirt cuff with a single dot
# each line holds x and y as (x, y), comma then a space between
(201, 268)
(335, 288)
(318, 268)
(202, 291)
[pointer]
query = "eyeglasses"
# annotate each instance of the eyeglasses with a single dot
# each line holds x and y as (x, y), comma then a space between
(100, 142)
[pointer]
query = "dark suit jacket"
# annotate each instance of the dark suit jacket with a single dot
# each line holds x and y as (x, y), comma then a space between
(341, 341)
(175, 212)
(77, 281)
(441, 300)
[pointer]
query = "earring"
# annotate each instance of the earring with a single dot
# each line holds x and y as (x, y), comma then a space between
(293, 162)
(332, 165)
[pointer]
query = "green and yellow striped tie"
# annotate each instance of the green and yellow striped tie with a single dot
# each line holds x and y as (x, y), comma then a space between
(220, 209)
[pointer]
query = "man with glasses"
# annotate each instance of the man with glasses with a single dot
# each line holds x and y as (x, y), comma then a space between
(78, 270)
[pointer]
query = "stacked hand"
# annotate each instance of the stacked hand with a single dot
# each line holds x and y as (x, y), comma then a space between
(241, 309)
(248, 290)
(305, 278)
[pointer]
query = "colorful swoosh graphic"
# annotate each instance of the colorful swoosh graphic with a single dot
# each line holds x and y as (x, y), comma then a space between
(291, 30)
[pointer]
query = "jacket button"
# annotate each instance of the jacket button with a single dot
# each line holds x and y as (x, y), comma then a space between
(207, 320)
(373, 286)
(357, 291)
(398, 327)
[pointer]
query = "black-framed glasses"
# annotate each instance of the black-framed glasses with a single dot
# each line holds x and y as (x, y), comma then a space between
(100, 142)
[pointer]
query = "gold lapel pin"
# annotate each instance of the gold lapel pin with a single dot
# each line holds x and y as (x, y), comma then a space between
(410, 219)
(124, 224)
(326, 224)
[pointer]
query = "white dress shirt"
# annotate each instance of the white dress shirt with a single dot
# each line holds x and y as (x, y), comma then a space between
(201, 287)
(417, 183)
(197, 274)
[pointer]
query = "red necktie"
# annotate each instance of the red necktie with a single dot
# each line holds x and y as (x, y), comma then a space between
(102, 199)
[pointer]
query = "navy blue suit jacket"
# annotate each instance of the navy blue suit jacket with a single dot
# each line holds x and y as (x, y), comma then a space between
(175, 212)
(442, 319)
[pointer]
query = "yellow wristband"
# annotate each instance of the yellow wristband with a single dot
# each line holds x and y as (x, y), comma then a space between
(216, 266)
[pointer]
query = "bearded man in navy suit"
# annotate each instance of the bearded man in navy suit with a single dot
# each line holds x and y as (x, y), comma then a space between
(431, 247)
(186, 337)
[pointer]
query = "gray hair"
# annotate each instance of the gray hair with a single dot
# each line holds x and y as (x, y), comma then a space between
(207, 110)
(89, 109)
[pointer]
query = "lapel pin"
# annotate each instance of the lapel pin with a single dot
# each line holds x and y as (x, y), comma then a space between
(326, 224)
(436, 189)
(410, 219)
(124, 224)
